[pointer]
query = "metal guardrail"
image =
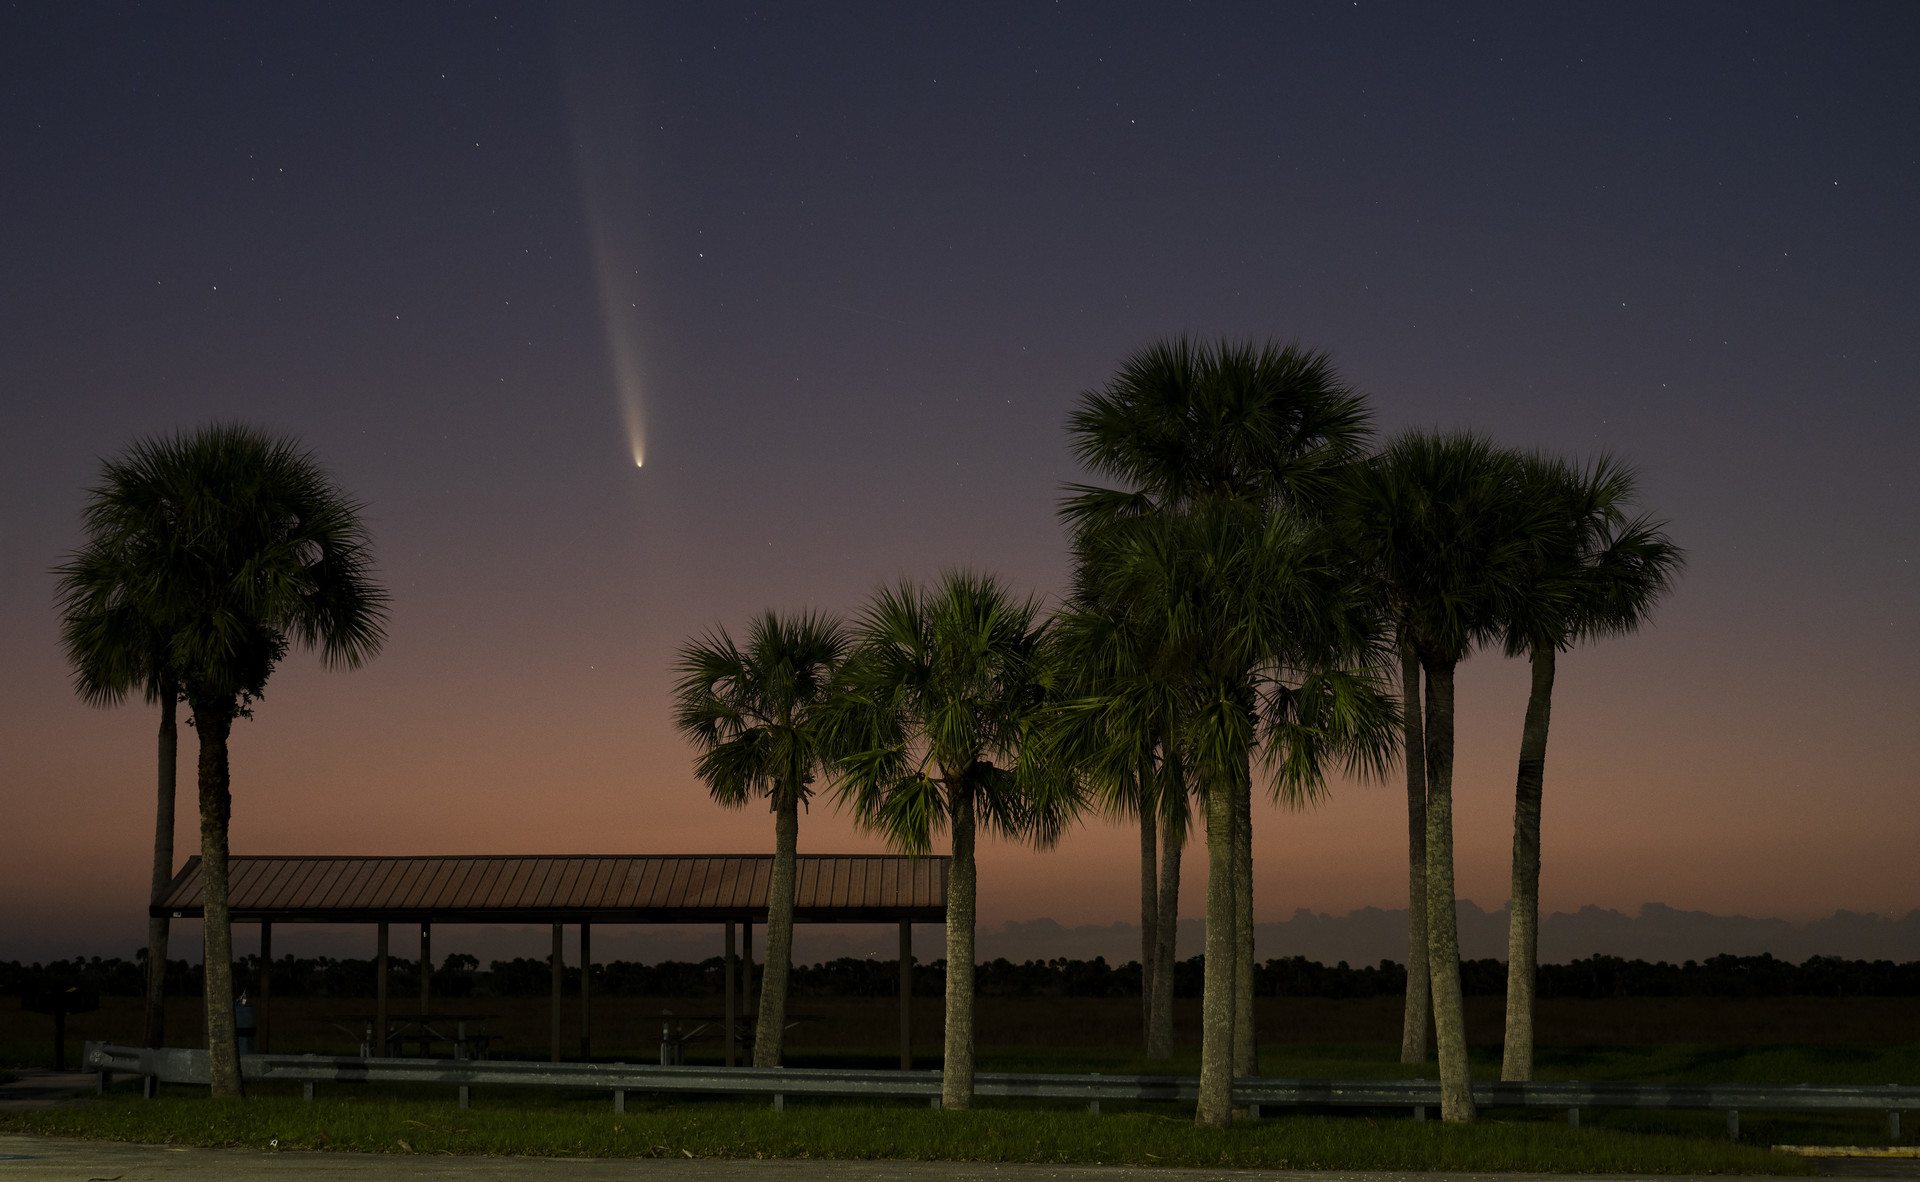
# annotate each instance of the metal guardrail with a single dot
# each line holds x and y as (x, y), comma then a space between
(177, 1065)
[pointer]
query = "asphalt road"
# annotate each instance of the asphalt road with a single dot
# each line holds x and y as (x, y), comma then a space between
(45, 1159)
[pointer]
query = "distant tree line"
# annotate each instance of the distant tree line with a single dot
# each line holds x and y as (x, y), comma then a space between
(460, 976)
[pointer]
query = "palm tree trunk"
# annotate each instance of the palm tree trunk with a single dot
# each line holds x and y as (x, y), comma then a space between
(216, 812)
(956, 1076)
(157, 925)
(1173, 836)
(1215, 1109)
(770, 1035)
(1443, 935)
(1419, 1011)
(1523, 913)
(1149, 912)
(1246, 1055)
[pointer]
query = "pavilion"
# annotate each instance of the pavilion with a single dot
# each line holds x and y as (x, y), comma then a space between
(572, 889)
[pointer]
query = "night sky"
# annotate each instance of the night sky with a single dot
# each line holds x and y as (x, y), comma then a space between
(838, 274)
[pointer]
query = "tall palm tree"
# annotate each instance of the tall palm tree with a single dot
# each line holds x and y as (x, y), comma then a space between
(1602, 575)
(236, 544)
(1441, 524)
(1261, 631)
(1186, 425)
(1115, 728)
(1417, 1013)
(754, 712)
(116, 649)
(934, 705)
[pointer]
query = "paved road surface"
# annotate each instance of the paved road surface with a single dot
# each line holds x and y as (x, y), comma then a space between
(45, 1159)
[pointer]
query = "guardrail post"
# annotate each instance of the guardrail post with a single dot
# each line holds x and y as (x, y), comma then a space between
(1733, 1123)
(619, 1100)
(306, 1091)
(466, 1096)
(101, 1084)
(1573, 1118)
(1893, 1125)
(933, 1101)
(149, 1086)
(1419, 1112)
(779, 1102)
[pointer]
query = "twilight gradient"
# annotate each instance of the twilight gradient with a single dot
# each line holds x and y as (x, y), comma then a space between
(869, 255)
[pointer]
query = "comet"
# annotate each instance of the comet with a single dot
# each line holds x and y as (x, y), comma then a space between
(607, 155)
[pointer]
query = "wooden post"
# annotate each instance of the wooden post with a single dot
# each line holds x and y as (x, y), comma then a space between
(263, 1021)
(906, 996)
(733, 1012)
(380, 995)
(559, 978)
(586, 992)
(426, 966)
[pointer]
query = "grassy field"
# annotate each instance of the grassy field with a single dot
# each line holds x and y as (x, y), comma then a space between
(386, 1121)
(629, 1027)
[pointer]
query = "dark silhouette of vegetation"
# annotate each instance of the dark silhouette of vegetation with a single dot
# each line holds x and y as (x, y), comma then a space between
(1599, 573)
(929, 724)
(1213, 621)
(754, 712)
(207, 557)
(460, 976)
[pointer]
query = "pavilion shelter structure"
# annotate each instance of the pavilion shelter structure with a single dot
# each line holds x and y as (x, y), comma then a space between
(725, 890)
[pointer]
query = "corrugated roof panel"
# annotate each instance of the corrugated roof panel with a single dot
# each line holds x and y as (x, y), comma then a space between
(500, 883)
(566, 889)
(625, 888)
(366, 879)
(302, 874)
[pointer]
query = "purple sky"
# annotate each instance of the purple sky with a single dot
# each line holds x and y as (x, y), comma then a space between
(844, 271)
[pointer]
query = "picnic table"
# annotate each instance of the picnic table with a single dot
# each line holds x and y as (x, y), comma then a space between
(465, 1034)
(674, 1034)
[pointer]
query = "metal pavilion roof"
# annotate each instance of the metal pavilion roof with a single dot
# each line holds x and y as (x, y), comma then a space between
(620, 888)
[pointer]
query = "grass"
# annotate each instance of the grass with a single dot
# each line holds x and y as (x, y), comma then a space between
(1773, 1042)
(392, 1120)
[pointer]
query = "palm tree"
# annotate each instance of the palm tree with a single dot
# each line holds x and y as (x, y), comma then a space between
(1185, 426)
(1439, 521)
(1261, 642)
(755, 715)
(114, 650)
(1115, 729)
(1418, 1011)
(1602, 576)
(934, 706)
(235, 545)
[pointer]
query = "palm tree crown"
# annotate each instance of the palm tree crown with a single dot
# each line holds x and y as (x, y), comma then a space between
(752, 710)
(208, 555)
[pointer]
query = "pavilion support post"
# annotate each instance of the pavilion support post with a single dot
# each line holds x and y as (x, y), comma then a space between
(380, 994)
(906, 996)
(586, 991)
(426, 967)
(263, 1020)
(746, 974)
(559, 979)
(729, 974)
